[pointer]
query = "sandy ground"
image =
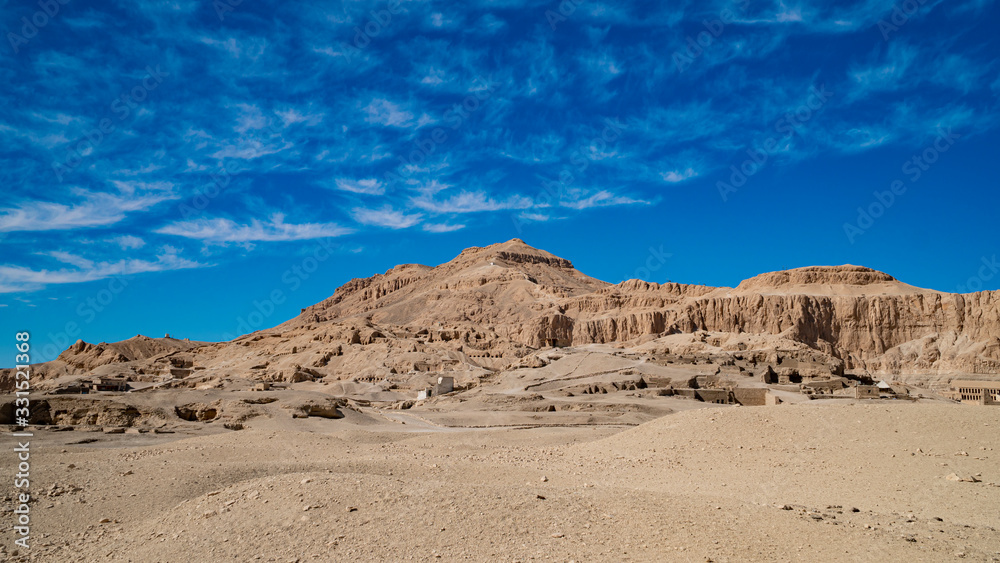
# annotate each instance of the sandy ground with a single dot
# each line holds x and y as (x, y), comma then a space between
(810, 482)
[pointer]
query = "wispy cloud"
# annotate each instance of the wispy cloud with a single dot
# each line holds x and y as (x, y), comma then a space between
(893, 72)
(275, 229)
(537, 217)
(381, 111)
(95, 209)
(385, 216)
(293, 116)
(603, 198)
(442, 227)
(675, 176)
(471, 202)
(20, 278)
(72, 259)
(366, 186)
(128, 242)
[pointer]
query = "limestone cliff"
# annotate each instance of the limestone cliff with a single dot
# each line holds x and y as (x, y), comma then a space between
(490, 308)
(866, 318)
(893, 329)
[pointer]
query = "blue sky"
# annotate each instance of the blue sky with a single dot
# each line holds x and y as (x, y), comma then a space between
(206, 169)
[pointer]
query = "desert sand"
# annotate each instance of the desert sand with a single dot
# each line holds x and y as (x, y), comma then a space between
(803, 482)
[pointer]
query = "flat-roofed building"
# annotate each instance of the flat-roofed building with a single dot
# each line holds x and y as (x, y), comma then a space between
(976, 392)
(866, 392)
(110, 384)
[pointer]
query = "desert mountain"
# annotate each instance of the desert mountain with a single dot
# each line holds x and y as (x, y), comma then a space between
(866, 318)
(500, 307)
(510, 288)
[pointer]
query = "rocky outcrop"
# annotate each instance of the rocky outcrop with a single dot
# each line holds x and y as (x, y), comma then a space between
(549, 330)
(85, 356)
(379, 286)
(532, 258)
(816, 275)
(88, 356)
(87, 412)
(892, 332)
(323, 409)
(197, 412)
(490, 307)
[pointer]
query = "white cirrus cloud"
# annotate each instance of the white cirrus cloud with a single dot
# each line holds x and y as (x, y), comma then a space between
(71, 259)
(20, 278)
(250, 149)
(602, 198)
(675, 176)
(275, 229)
(366, 186)
(427, 188)
(385, 216)
(96, 210)
(442, 227)
(471, 202)
(383, 112)
(537, 217)
(292, 116)
(128, 242)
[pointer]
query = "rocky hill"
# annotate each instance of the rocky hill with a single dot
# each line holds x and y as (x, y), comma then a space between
(497, 308)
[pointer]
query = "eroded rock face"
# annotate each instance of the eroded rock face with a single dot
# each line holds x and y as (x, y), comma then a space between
(85, 411)
(816, 275)
(364, 292)
(89, 356)
(197, 412)
(550, 330)
(323, 409)
(491, 307)
(883, 333)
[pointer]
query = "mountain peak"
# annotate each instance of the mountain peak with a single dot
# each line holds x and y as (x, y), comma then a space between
(513, 251)
(512, 244)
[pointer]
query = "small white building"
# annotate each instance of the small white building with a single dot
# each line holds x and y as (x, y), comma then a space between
(425, 394)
